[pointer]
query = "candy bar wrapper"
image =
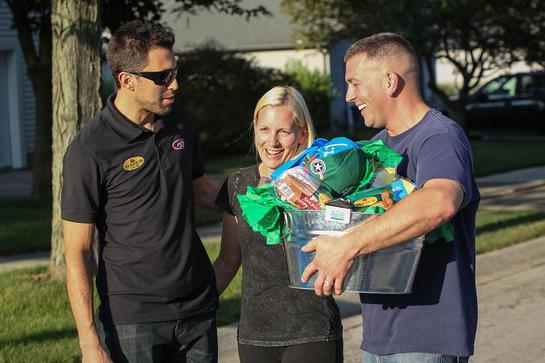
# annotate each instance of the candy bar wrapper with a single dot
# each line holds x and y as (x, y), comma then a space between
(382, 198)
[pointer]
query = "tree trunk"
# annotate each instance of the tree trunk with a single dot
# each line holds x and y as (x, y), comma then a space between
(41, 162)
(38, 62)
(76, 99)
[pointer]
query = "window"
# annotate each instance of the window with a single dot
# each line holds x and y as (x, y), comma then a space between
(500, 87)
(532, 85)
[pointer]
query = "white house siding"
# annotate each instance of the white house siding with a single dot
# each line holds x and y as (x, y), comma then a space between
(447, 74)
(22, 100)
(5, 20)
(29, 107)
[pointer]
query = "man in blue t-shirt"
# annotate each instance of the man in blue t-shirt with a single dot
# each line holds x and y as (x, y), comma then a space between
(438, 320)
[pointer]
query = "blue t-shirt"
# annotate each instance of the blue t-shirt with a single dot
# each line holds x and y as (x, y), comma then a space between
(440, 316)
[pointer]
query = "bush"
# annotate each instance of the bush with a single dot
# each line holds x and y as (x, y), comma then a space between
(316, 88)
(221, 89)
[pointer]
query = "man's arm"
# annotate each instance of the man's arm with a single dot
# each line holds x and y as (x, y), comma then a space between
(78, 245)
(229, 258)
(422, 211)
(206, 190)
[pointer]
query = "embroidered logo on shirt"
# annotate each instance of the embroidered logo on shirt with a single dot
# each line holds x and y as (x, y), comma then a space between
(133, 163)
(178, 144)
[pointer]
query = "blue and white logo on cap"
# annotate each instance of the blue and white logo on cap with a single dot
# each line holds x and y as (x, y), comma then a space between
(318, 167)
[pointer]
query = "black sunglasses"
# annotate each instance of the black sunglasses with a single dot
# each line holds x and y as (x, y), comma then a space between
(160, 78)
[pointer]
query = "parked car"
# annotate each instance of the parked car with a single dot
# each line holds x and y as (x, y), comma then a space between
(510, 102)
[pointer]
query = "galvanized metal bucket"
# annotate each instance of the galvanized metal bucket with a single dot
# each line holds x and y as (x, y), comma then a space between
(387, 271)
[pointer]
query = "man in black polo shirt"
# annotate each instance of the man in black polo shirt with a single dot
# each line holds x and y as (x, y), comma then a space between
(134, 172)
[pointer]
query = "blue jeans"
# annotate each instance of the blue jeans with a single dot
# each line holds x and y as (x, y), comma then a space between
(190, 340)
(412, 358)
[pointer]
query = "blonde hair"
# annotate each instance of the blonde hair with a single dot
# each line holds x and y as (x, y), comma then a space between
(288, 96)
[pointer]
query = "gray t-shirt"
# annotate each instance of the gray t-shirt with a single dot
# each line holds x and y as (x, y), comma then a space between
(273, 314)
(440, 316)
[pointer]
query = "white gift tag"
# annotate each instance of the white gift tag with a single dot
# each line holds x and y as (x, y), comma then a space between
(338, 214)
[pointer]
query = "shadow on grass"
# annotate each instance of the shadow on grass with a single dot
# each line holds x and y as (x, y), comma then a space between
(512, 222)
(41, 337)
(229, 311)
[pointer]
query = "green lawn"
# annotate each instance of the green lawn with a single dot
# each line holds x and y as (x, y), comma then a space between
(500, 156)
(228, 164)
(37, 325)
(498, 229)
(24, 226)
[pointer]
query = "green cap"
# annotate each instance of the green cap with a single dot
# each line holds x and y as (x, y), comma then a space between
(341, 172)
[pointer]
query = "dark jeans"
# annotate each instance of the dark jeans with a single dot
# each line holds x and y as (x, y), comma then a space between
(191, 340)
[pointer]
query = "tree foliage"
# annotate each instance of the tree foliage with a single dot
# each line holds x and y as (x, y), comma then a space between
(475, 36)
(32, 20)
(316, 88)
(221, 89)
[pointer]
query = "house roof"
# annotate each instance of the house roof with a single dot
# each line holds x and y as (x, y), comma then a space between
(232, 32)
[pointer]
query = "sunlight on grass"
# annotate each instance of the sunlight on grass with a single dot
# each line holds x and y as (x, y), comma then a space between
(37, 322)
(498, 229)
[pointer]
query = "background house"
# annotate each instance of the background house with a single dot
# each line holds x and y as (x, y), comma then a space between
(17, 106)
(269, 42)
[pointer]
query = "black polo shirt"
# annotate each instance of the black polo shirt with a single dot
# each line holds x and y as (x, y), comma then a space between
(135, 185)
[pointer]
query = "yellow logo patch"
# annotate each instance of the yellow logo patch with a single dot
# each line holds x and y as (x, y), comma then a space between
(133, 163)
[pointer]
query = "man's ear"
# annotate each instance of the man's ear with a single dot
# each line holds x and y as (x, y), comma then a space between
(392, 82)
(126, 81)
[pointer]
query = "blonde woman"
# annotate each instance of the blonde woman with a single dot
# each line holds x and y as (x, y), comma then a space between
(277, 323)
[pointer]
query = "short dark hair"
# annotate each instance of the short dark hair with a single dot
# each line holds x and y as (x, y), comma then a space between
(129, 46)
(383, 45)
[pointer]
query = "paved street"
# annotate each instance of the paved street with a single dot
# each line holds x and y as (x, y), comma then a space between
(511, 300)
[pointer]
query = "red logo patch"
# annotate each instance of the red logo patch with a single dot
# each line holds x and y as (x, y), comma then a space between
(178, 144)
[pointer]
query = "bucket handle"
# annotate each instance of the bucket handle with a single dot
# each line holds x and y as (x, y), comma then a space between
(286, 228)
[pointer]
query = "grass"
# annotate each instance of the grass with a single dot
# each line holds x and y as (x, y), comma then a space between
(500, 156)
(229, 310)
(228, 164)
(24, 226)
(39, 323)
(499, 229)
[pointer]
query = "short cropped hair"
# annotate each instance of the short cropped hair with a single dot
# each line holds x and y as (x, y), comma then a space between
(129, 46)
(288, 96)
(382, 46)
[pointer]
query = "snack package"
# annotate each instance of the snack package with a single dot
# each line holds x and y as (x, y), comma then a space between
(401, 187)
(298, 188)
(382, 198)
(372, 198)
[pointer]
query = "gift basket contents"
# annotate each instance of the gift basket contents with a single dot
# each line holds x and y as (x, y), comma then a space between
(330, 187)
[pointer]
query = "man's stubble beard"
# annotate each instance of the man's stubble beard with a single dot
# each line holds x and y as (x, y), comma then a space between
(154, 107)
